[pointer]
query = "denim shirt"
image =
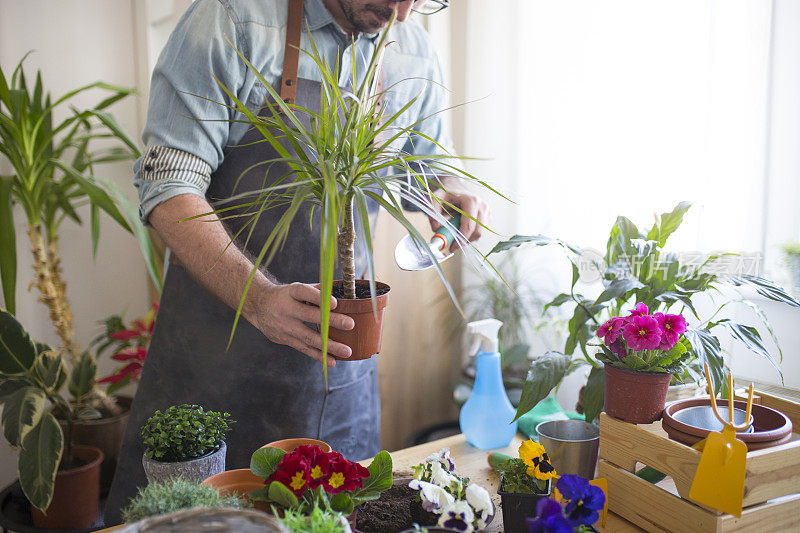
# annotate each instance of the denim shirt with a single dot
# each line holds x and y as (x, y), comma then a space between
(188, 132)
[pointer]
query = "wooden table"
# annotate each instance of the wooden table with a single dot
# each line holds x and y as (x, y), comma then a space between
(471, 462)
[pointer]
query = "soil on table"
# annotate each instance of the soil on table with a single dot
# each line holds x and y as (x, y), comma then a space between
(362, 291)
(397, 509)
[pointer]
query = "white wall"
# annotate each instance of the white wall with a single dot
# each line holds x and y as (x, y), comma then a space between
(78, 42)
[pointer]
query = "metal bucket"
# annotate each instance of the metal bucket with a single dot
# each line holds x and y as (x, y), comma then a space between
(572, 446)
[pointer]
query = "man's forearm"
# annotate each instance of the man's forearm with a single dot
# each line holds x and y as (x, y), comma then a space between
(204, 249)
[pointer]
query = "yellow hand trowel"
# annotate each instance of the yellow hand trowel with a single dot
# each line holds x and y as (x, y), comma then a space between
(719, 479)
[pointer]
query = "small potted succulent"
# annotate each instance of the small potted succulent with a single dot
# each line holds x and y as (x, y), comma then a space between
(453, 501)
(577, 511)
(184, 441)
(523, 482)
(174, 495)
(309, 478)
(640, 353)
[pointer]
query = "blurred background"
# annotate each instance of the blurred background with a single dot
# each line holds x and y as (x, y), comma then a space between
(578, 111)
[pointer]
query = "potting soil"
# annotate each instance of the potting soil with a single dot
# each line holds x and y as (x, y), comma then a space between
(397, 509)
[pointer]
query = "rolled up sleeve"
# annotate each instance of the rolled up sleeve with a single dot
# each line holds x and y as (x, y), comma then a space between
(188, 123)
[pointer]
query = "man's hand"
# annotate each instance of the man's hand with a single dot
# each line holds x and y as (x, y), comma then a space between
(282, 312)
(278, 311)
(454, 192)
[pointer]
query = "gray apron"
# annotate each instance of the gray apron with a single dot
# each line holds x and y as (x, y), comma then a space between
(271, 390)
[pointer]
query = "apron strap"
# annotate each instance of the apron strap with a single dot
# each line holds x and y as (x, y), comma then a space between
(291, 55)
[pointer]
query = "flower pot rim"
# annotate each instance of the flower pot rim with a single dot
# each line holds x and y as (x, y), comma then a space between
(626, 369)
(104, 420)
(557, 439)
(92, 463)
(204, 456)
(378, 285)
(306, 441)
(501, 492)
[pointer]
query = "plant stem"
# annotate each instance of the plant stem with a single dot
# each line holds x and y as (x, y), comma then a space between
(346, 242)
(46, 264)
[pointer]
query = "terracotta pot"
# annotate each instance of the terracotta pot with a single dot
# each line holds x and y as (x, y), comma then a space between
(365, 338)
(635, 397)
(239, 483)
(105, 434)
(290, 445)
(76, 495)
(771, 427)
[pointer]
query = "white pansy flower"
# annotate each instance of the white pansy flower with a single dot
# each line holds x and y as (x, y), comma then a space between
(481, 502)
(443, 478)
(443, 457)
(458, 516)
(434, 498)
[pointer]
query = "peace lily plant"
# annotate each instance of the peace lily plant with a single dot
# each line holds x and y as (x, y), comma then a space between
(340, 157)
(638, 272)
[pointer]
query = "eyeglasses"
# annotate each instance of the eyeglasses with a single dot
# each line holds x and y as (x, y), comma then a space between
(429, 7)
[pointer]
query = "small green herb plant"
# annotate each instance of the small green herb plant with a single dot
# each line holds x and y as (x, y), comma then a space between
(175, 495)
(184, 432)
(318, 521)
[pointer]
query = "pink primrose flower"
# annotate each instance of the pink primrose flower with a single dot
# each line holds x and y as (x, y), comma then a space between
(642, 333)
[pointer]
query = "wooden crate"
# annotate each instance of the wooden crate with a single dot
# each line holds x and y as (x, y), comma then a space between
(772, 480)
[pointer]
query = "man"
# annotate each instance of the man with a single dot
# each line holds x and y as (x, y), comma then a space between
(196, 152)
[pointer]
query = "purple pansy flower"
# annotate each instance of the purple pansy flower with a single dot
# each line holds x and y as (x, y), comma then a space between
(672, 326)
(611, 329)
(458, 516)
(640, 310)
(642, 333)
(618, 348)
(584, 500)
(549, 518)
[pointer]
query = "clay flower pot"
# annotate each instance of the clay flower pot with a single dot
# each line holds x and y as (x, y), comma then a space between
(105, 434)
(771, 427)
(635, 397)
(365, 338)
(239, 483)
(290, 445)
(76, 494)
(195, 470)
(517, 507)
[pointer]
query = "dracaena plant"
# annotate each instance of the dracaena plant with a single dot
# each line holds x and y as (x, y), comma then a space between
(637, 269)
(32, 378)
(54, 164)
(340, 157)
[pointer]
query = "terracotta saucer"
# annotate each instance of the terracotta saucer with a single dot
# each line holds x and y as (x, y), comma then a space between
(690, 440)
(771, 426)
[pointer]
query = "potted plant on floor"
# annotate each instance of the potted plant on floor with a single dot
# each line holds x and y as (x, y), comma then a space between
(636, 268)
(340, 158)
(55, 176)
(309, 478)
(523, 482)
(577, 510)
(184, 441)
(175, 495)
(59, 478)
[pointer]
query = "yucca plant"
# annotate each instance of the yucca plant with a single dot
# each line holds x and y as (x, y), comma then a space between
(54, 164)
(342, 158)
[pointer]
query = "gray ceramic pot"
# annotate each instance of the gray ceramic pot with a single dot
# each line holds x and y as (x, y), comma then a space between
(195, 470)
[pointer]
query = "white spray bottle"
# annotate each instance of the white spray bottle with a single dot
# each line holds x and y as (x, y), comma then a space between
(486, 418)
